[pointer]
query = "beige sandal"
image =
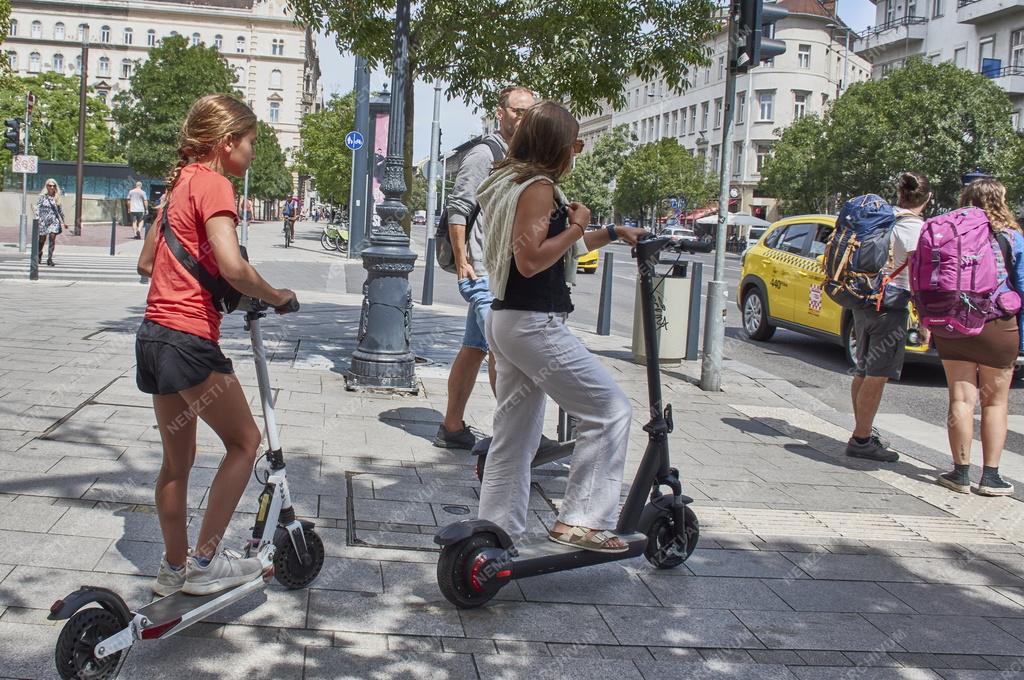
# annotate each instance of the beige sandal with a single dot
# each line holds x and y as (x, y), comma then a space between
(587, 539)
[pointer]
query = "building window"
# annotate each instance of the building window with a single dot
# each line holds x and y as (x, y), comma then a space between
(126, 69)
(763, 152)
(1015, 120)
(275, 112)
(737, 159)
(104, 69)
(58, 62)
(218, 41)
(196, 40)
(721, 67)
(890, 11)
(718, 113)
(741, 105)
(103, 94)
(240, 44)
(128, 36)
(275, 79)
(936, 9)
(34, 62)
(239, 74)
(277, 47)
(13, 28)
(799, 104)
(37, 30)
(78, 65)
(707, 75)
(714, 157)
(1017, 48)
(911, 8)
(83, 31)
(960, 57)
(58, 30)
(766, 106)
(693, 119)
(151, 38)
(704, 108)
(12, 60)
(803, 56)
(104, 34)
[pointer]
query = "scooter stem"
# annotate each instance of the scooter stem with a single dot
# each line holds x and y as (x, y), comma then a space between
(263, 378)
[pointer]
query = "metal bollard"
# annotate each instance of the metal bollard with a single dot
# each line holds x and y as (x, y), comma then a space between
(427, 298)
(113, 234)
(33, 266)
(604, 306)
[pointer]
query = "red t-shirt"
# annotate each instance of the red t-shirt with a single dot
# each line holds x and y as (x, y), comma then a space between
(176, 300)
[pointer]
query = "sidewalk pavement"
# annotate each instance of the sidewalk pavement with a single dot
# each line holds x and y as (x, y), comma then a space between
(810, 565)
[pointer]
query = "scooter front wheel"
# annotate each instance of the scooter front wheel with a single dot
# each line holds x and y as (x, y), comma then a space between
(75, 655)
(288, 568)
(667, 545)
(464, 571)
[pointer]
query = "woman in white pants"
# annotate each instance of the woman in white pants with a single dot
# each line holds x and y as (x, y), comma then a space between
(533, 238)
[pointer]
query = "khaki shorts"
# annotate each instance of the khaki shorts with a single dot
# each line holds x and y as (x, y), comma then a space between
(881, 342)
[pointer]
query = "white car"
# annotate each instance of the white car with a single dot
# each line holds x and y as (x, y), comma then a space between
(679, 232)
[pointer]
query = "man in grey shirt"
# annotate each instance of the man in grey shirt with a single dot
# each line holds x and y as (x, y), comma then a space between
(469, 263)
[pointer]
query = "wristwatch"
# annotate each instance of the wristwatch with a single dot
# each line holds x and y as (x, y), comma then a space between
(611, 232)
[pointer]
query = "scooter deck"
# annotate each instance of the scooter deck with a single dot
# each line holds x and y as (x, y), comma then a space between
(542, 556)
(178, 605)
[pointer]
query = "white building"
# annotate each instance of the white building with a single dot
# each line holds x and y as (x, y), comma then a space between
(768, 98)
(275, 60)
(983, 36)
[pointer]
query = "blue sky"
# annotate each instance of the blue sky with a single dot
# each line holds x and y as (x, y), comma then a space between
(458, 119)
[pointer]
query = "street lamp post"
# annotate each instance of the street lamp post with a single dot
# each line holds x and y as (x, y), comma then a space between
(383, 359)
(80, 164)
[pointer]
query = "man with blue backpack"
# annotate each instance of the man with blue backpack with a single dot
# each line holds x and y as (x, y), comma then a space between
(866, 272)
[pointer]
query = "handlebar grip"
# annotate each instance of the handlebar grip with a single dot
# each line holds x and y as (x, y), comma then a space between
(292, 306)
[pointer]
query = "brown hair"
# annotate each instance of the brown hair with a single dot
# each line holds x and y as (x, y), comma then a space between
(543, 143)
(990, 195)
(212, 120)
(505, 93)
(912, 190)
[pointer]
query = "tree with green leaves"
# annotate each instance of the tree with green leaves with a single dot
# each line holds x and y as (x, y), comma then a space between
(54, 134)
(5, 29)
(591, 178)
(269, 178)
(659, 171)
(149, 115)
(324, 155)
(580, 51)
(936, 119)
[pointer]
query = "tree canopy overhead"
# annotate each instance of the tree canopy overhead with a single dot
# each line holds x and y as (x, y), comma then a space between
(940, 120)
(163, 88)
(595, 169)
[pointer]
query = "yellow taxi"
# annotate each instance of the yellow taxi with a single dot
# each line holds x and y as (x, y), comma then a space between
(588, 262)
(782, 286)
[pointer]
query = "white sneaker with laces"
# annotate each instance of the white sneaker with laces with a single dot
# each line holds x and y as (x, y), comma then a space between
(168, 581)
(223, 572)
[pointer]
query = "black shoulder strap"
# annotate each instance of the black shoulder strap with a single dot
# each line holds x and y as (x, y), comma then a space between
(215, 285)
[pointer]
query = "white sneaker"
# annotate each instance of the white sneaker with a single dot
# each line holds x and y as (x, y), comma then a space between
(223, 572)
(168, 581)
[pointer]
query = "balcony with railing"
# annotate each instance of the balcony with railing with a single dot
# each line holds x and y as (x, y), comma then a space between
(1010, 78)
(982, 11)
(907, 31)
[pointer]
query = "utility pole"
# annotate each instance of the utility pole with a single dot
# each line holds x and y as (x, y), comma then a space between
(357, 195)
(747, 49)
(30, 100)
(435, 150)
(80, 165)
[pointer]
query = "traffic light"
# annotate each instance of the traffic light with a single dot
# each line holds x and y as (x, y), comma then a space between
(12, 135)
(756, 30)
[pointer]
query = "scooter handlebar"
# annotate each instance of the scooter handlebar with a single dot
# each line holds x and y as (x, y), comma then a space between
(650, 245)
(250, 304)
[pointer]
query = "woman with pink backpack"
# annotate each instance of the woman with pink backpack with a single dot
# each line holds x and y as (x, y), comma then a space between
(966, 275)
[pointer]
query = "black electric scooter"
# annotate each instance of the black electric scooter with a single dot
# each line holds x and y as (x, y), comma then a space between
(478, 557)
(101, 626)
(558, 450)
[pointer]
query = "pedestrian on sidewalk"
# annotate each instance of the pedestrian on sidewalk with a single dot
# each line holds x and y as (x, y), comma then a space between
(453, 433)
(881, 333)
(534, 238)
(981, 366)
(179, 360)
(51, 219)
(138, 205)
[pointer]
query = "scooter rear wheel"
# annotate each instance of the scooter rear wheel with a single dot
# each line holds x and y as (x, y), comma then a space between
(666, 547)
(84, 630)
(458, 569)
(289, 570)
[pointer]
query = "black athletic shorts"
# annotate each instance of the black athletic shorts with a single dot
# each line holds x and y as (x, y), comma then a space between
(169, 361)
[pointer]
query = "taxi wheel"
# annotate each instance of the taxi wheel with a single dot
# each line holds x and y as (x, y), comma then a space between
(755, 316)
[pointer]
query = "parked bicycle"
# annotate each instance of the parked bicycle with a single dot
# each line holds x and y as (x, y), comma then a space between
(335, 237)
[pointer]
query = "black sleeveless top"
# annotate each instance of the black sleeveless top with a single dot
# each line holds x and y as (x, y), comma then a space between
(545, 291)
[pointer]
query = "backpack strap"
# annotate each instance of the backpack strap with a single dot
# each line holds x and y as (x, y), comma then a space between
(1006, 250)
(214, 285)
(497, 154)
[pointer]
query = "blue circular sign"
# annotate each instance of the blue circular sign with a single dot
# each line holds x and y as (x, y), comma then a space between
(354, 140)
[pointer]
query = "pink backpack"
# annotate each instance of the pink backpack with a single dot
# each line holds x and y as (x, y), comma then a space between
(959, 276)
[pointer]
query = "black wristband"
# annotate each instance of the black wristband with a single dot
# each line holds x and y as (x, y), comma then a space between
(611, 232)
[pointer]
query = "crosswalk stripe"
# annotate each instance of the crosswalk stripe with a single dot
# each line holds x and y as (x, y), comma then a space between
(87, 268)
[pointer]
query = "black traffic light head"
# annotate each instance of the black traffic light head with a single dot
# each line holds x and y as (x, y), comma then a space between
(12, 135)
(756, 28)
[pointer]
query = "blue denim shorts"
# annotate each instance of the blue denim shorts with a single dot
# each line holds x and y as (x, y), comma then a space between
(478, 295)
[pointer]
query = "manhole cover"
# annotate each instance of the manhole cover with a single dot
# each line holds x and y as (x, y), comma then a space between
(456, 509)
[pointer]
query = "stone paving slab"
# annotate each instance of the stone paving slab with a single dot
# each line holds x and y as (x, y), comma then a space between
(678, 627)
(974, 634)
(815, 630)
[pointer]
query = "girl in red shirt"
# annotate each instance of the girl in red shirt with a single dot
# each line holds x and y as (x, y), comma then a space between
(178, 359)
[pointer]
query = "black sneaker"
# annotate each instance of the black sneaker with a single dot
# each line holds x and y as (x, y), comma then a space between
(872, 449)
(994, 485)
(957, 481)
(459, 439)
